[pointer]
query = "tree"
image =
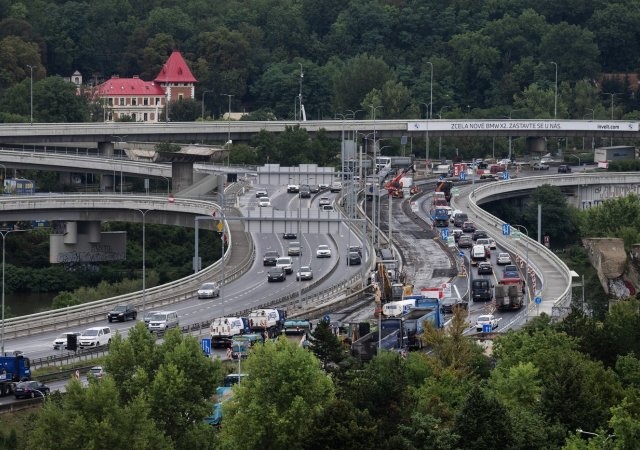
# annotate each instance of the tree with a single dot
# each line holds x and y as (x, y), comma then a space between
(276, 405)
(559, 220)
(184, 110)
(517, 385)
(55, 100)
(326, 345)
(617, 217)
(359, 76)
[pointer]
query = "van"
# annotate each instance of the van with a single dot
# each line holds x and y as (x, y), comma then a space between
(478, 253)
(163, 321)
(459, 219)
(481, 290)
(95, 337)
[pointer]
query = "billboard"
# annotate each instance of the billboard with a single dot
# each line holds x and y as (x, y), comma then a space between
(521, 125)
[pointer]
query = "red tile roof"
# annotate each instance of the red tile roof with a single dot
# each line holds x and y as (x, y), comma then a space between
(175, 70)
(119, 87)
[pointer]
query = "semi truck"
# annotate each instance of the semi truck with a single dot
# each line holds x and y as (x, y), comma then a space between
(224, 329)
(269, 320)
(393, 162)
(509, 294)
(13, 368)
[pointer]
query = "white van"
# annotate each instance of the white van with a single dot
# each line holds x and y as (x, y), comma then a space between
(95, 337)
(398, 308)
(163, 321)
(478, 253)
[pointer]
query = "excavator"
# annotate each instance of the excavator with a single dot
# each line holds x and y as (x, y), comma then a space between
(445, 186)
(395, 186)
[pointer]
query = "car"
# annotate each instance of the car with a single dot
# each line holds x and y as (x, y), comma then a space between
(540, 166)
(324, 201)
(121, 313)
(264, 202)
(323, 186)
(97, 371)
(484, 268)
(355, 248)
(261, 193)
(492, 244)
(440, 202)
(448, 304)
(487, 319)
(286, 263)
(336, 186)
(323, 251)
(468, 227)
(95, 337)
(505, 162)
(326, 208)
(294, 249)
(305, 273)
(546, 160)
(276, 274)
(484, 241)
(305, 191)
(489, 176)
(61, 341)
(354, 259)
(163, 321)
(465, 242)
(564, 169)
(314, 188)
(293, 188)
(456, 232)
(209, 290)
(270, 257)
(31, 389)
(289, 235)
(503, 258)
(148, 315)
(479, 234)
(510, 271)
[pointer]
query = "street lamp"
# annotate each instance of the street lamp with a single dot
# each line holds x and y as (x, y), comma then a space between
(4, 234)
(31, 94)
(612, 94)
(526, 270)
(168, 185)
(205, 92)
(144, 259)
(239, 345)
(430, 91)
(120, 140)
(511, 112)
(440, 138)
(555, 100)
(228, 117)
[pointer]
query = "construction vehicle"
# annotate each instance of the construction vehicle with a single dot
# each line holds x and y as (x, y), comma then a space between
(267, 320)
(401, 184)
(445, 186)
(224, 329)
(440, 216)
(509, 294)
(13, 369)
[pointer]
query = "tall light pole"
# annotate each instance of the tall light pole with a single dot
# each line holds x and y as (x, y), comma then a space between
(120, 140)
(205, 92)
(555, 101)
(4, 234)
(440, 138)
(31, 95)
(526, 264)
(593, 117)
(300, 91)
(430, 91)
(228, 117)
(144, 259)
(4, 176)
(426, 131)
(612, 94)
(168, 185)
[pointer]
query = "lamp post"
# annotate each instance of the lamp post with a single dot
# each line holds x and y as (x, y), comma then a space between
(430, 91)
(205, 92)
(144, 259)
(4, 234)
(300, 91)
(511, 112)
(440, 137)
(239, 345)
(120, 140)
(555, 99)
(612, 94)
(526, 264)
(228, 117)
(593, 139)
(168, 185)
(31, 94)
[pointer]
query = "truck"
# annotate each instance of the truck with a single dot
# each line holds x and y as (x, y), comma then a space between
(445, 186)
(615, 153)
(224, 329)
(481, 290)
(398, 308)
(297, 326)
(443, 169)
(509, 294)
(270, 321)
(13, 369)
(19, 186)
(393, 162)
(440, 217)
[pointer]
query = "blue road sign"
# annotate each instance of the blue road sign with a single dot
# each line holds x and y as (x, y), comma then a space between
(441, 177)
(506, 229)
(486, 328)
(327, 318)
(463, 175)
(461, 254)
(537, 300)
(505, 175)
(206, 346)
(444, 234)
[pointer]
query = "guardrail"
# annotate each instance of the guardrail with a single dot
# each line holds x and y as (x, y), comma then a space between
(165, 294)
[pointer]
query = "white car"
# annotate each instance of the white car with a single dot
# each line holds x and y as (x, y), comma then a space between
(505, 162)
(305, 273)
(95, 337)
(209, 290)
(486, 242)
(261, 193)
(323, 251)
(492, 244)
(97, 371)
(264, 201)
(503, 259)
(324, 201)
(293, 188)
(488, 319)
(286, 263)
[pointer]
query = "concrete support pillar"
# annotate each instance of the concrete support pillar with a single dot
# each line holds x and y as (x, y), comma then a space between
(106, 183)
(92, 229)
(105, 148)
(71, 232)
(182, 175)
(536, 144)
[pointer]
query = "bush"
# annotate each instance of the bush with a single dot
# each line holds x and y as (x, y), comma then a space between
(625, 165)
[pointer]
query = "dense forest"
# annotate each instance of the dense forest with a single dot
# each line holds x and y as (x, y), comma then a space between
(488, 58)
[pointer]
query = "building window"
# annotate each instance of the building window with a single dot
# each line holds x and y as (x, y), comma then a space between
(146, 117)
(157, 100)
(180, 97)
(134, 101)
(145, 101)
(121, 101)
(133, 117)
(110, 116)
(153, 117)
(110, 101)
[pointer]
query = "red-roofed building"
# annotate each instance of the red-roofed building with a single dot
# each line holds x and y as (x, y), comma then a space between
(144, 101)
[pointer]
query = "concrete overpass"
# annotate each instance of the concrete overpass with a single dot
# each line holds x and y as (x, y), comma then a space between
(107, 133)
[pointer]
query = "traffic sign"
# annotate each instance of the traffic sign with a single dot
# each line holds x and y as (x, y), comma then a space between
(414, 207)
(505, 175)
(506, 229)
(463, 176)
(326, 318)
(515, 235)
(487, 328)
(537, 300)
(455, 192)
(441, 177)
(206, 346)
(444, 234)
(461, 254)
(451, 242)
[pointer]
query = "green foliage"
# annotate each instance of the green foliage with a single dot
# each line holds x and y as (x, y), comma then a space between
(167, 147)
(624, 165)
(326, 345)
(559, 220)
(616, 217)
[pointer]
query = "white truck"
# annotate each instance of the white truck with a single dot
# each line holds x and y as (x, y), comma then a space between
(488, 320)
(270, 321)
(224, 329)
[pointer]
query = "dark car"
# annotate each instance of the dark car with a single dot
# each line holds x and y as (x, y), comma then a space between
(355, 248)
(564, 169)
(480, 234)
(121, 313)
(510, 271)
(276, 274)
(305, 191)
(468, 227)
(484, 268)
(270, 258)
(354, 259)
(448, 304)
(31, 389)
(457, 233)
(289, 236)
(465, 242)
